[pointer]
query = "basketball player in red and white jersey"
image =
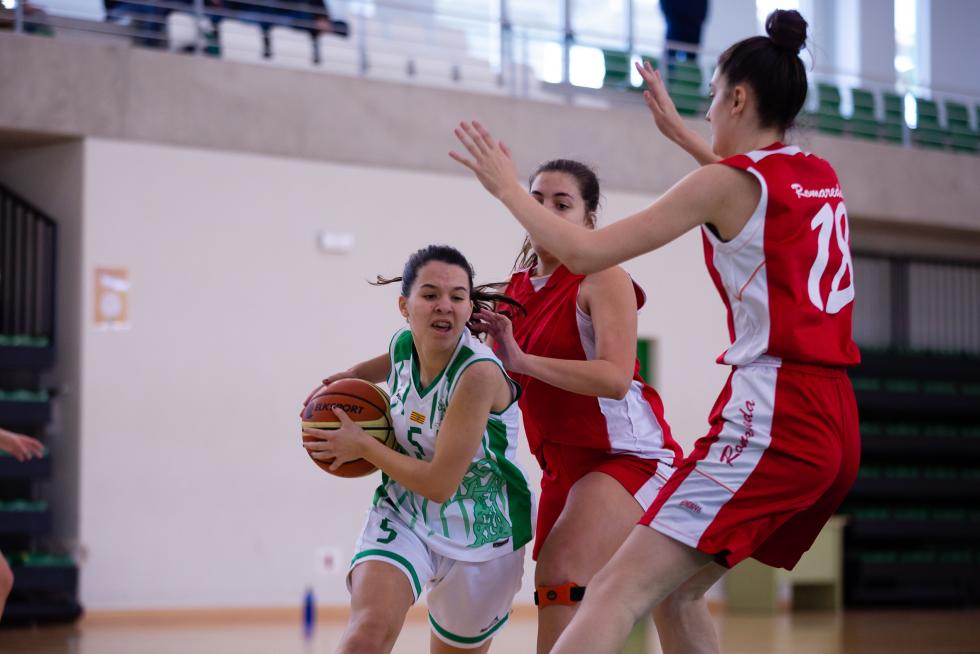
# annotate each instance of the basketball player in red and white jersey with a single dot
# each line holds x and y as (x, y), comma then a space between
(596, 428)
(783, 447)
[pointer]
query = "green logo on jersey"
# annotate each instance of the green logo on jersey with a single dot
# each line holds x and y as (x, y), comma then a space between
(482, 485)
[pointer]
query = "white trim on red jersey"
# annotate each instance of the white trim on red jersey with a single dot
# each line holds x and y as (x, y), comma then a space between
(774, 274)
(631, 423)
(730, 461)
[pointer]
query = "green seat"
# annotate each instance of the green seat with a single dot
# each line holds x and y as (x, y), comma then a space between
(684, 85)
(928, 133)
(961, 137)
(617, 69)
(957, 115)
(863, 123)
(893, 122)
(828, 114)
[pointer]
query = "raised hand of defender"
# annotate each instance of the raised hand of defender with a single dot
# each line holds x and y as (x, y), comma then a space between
(490, 160)
(665, 115)
(23, 448)
(499, 327)
(342, 445)
(668, 120)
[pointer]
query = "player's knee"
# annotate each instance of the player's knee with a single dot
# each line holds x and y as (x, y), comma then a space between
(680, 602)
(558, 564)
(369, 633)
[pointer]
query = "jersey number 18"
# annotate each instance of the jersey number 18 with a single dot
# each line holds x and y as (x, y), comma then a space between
(830, 220)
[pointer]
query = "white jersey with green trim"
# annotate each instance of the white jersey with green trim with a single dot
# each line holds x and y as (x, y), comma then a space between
(491, 512)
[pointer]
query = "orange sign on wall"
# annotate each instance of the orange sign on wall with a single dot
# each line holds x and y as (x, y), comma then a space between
(112, 298)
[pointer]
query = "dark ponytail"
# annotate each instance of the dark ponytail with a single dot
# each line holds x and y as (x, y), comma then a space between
(772, 68)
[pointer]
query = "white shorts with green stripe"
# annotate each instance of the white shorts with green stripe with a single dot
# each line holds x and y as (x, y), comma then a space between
(468, 602)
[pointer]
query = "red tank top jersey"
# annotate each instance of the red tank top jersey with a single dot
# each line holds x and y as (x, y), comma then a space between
(787, 279)
(556, 327)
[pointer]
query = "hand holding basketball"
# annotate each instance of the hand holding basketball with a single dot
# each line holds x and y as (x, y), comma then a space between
(336, 420)
(347, 374)
(335, 447)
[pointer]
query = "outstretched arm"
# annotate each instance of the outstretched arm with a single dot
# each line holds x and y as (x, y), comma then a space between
(719, 195)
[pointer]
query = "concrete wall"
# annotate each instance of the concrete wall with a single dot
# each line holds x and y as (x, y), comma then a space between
(953, 69)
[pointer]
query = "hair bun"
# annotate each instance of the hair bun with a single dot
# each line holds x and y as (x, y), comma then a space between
(787, 29)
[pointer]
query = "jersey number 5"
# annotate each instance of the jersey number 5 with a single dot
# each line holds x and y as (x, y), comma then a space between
(829, 220)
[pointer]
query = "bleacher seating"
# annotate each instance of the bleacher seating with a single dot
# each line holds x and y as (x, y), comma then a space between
(411, 48)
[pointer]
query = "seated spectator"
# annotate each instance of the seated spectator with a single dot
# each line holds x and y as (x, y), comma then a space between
(146, 18)
(35, 20)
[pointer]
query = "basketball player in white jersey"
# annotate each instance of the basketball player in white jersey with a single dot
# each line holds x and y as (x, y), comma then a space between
(453, 511)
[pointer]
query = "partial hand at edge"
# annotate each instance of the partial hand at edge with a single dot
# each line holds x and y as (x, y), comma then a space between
(491, 160)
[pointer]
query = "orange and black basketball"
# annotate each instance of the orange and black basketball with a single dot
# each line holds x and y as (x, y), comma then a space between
(365, 404)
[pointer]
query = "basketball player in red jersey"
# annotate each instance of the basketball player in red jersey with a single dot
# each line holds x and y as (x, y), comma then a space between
(596, 428)
(783, 447)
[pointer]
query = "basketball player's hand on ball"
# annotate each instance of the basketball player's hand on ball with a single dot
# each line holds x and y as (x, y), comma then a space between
(500, 329)
(338, 446)
(347, 374)
(23, 448)
(491, 160)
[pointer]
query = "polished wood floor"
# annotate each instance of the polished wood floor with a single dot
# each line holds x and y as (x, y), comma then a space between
(871, 632)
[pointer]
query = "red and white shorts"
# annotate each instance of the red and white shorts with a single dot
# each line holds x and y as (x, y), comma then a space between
(781, 455)
(563, 465)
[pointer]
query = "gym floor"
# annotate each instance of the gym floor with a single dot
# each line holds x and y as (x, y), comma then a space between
(865, 632)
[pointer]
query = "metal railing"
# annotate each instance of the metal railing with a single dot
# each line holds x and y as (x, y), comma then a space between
(502, 50)
(28, 268)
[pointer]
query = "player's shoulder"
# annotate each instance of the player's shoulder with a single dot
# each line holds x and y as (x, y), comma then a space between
(401, 344)
(608, 279)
